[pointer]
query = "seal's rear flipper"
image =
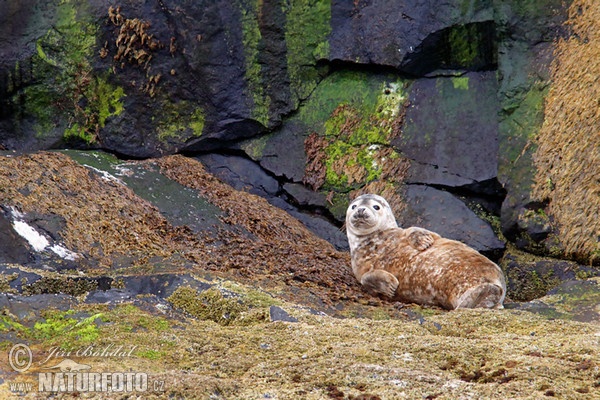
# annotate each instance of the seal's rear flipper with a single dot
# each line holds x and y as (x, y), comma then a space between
(487, 295)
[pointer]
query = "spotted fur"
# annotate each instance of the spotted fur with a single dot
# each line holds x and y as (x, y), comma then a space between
(415, 265)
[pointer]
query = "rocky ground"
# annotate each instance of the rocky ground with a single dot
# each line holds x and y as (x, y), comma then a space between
(214, 293)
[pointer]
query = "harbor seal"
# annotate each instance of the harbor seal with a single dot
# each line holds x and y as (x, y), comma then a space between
(415, 265)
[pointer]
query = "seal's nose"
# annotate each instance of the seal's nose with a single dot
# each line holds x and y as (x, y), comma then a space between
(361, 212)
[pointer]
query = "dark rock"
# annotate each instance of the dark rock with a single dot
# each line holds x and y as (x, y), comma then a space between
(179, 204)
(193, 77)
(323, 229)
(305, 197)
(13, 248)
(530, 278)
(387, 33)
(575, 300)
(110, 296)
(317, 224)
(161, 285)
(441, 212)
(37, 241)
(449, 132)
(279, 314)
(281, 153)
(26, 307)
(241, 174)
(471, 47)
(17, 278)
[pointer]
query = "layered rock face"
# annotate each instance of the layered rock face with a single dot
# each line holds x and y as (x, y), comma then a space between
(436, 106)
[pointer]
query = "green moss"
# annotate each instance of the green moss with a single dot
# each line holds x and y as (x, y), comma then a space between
(149, 354)
(252, 297)
(8, 322)
(365, 157)
(461, 82)
(306, 31)
(68, 90)
(524, 117)
(357, 132)
(464, 44)
(197, 122)
(127, 318)
(103, 101)
(357, 89)
(62, 328)
(256, 146)
(179, 120)
(251, 38)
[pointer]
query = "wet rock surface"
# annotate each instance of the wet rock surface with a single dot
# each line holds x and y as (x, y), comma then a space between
(444, 213)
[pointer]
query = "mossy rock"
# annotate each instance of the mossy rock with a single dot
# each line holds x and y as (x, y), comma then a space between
(212, 305)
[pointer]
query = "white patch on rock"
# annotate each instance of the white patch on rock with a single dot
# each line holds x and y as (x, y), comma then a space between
(36, 240)
(33, 237)
(63, 252)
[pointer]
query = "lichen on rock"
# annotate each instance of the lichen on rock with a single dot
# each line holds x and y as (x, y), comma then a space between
(352, 148)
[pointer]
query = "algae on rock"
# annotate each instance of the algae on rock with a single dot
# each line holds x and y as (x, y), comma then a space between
(567, 157)
(68, 86)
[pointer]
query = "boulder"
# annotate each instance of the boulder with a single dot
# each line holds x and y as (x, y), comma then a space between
(449, 132)
(442, 212)
(403, 35)
(241, 174)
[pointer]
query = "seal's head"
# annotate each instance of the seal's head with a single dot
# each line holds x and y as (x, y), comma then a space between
(367, 214)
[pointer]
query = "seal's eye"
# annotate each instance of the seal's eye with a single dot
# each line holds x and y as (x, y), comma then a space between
(376, 207)
(353, 206)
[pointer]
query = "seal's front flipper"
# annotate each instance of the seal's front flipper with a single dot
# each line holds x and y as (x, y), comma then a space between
(420, 239)
(380, 282)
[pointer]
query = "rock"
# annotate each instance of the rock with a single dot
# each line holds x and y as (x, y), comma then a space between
(26, 307)
(111, 296)
(390, 33)
(15, 279)
(441, 212)
(241, 174)
(180, 205)
(526, 36)
(575, 300)
(35, 239)
(321, 227)
(162, 285)
(305, 197)
(161, 78)
(530, 277)
(281, 153)
(279, 314)
(13, 247)
(448, 133)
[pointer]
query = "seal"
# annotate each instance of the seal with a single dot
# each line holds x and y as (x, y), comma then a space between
(415, 265)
